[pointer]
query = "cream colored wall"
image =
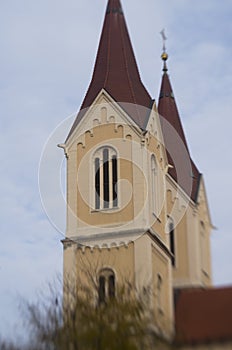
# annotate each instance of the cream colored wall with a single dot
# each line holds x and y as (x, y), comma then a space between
(82, 267)
(139, 262)
(189, 244)
(181, 268)
(69, 272)
(143, 262)
(157, 220)
(163, 298)
(177, 209)
(120, 260)
(193, 247)
(205, 227)
(89, 216)
(187, 215)
(105, 125)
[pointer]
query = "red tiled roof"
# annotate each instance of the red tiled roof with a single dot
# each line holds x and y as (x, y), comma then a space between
(184, 171)
(116, 69)
(204, 315)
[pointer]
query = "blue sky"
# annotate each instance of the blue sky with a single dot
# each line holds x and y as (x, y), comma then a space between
(48, 50)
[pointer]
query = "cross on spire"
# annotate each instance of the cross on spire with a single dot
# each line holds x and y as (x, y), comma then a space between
(164, 39)
(164, 55)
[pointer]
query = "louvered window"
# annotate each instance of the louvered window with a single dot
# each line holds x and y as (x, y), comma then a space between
(106, 178)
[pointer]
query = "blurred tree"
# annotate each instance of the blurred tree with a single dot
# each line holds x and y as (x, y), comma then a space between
(81, 321)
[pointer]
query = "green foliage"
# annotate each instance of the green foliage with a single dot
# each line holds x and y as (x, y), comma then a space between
(120, 323)
(77, 321)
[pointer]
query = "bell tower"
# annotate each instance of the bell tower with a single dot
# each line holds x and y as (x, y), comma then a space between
(189, 221)
(136, 204)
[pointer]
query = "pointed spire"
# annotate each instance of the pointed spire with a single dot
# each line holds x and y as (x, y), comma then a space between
(168, 111)
(115, 68)
(167, 107)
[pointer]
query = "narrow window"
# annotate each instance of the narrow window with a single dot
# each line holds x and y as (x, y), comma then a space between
(106, 288)
(172, 241)
(106, 178)
(97, 183)
(111, 286)
(114, 181)
(102, 290)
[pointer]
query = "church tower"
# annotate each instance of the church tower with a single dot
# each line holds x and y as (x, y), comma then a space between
(136, 205)
(187, 207)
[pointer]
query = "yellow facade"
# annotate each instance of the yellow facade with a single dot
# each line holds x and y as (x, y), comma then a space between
(132, 238)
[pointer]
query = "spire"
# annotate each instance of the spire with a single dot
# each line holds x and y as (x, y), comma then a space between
(167, 107)
(115, 68)
(168, 111)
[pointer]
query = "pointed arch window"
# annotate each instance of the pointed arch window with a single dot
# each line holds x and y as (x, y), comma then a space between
(106, 285)
(106, 178)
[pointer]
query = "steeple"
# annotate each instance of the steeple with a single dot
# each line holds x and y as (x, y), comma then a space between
(116, 69)
(168, 111)
(167, 107)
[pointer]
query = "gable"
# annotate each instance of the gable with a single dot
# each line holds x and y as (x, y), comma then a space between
(104, 110)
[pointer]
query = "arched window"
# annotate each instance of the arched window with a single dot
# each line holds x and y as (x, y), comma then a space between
(106, 285)
(154, 184)
(171, 231)
(106, 178)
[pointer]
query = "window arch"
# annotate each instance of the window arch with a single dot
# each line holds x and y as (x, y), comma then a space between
(106, 285)
(106, 178)
(171, 231)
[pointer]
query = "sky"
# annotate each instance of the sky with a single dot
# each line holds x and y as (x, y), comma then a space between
(48, 49)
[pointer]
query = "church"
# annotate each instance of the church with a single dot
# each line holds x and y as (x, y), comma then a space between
(136, 203)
